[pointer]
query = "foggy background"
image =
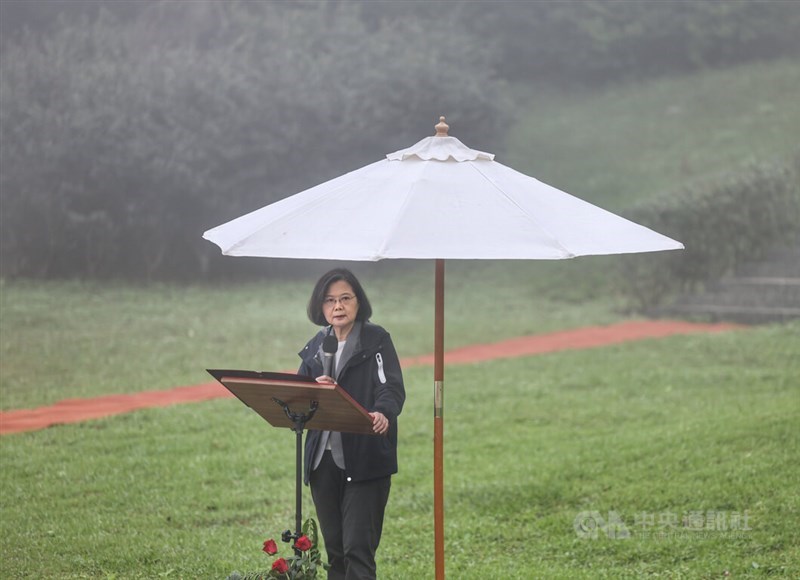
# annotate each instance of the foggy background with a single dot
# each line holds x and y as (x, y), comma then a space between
(128, 128)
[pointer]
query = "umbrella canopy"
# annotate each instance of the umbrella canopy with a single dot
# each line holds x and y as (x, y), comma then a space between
(439, 200)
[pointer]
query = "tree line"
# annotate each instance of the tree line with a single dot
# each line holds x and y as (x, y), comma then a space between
(129, 128)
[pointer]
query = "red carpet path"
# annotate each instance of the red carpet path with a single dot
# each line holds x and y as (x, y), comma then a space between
(75, 410)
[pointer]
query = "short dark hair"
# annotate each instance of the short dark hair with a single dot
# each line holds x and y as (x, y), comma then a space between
(314, 310)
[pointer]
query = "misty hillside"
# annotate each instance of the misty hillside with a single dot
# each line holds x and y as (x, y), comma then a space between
(632, 142)
(156, 121)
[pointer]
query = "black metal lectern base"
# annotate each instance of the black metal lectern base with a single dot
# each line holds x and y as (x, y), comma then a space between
(299, 421)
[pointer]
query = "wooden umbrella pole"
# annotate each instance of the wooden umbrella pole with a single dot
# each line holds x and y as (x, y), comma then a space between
(438, 422)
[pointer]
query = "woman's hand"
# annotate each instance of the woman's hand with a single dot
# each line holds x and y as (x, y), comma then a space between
(325, 379)
(380, 424)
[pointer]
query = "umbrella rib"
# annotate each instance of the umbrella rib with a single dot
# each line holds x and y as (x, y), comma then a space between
(257, 227)
(292, 213)
(382, 250)
(546, 230)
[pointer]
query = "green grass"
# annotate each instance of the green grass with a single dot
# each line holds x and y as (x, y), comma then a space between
(81, 339)
(632, 143)
(678, 426)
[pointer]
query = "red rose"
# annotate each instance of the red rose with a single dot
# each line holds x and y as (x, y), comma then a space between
(280, 566)
(303, 543)
(270, 547)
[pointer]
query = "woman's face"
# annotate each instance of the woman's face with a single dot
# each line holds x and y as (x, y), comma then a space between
(340, 307)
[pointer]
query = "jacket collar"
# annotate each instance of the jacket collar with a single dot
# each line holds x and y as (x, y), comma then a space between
(352, 345)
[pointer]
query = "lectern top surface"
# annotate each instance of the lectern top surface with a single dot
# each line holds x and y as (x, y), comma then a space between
(261, 391)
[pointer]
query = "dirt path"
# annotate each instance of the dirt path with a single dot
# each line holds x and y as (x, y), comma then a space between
(76, 410)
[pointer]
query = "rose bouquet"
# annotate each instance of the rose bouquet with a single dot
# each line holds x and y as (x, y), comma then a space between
(302, 565)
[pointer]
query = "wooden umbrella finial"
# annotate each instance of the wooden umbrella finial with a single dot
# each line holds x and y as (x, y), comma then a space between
(441, 128)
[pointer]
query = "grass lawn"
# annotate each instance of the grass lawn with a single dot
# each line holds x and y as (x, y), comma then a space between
(682, 438)
(62, 340)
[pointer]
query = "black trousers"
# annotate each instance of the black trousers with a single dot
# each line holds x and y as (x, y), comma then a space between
(350, 518)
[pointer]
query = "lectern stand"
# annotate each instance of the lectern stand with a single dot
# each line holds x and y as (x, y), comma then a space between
(294, 401)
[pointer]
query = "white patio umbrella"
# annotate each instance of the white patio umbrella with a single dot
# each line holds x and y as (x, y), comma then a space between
(435, 200)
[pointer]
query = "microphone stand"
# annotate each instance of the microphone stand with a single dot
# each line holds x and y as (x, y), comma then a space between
(299, 421)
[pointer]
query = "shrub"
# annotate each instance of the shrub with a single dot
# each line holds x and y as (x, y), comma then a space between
(722, 223)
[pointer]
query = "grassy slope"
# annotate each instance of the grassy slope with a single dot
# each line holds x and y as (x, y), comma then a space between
(629, 144)
(65, 340)
(675, 426)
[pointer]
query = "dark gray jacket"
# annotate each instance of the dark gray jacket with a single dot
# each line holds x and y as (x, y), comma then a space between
(372, 376)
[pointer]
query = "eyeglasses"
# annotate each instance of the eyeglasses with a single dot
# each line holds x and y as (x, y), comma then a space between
(345, 300)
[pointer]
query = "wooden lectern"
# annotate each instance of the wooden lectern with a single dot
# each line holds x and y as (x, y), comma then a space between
(294, 401)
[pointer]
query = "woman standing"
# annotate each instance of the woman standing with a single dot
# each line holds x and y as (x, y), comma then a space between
(349, 474)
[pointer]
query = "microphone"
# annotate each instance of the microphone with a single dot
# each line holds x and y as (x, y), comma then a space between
(329, 347)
